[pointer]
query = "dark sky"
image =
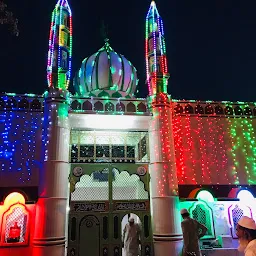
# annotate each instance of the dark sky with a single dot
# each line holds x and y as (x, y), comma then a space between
(211, 44)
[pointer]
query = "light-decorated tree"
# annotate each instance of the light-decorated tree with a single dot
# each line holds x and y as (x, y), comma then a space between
(7, 18)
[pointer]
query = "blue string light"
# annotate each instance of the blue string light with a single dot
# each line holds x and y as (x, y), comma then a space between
(19, 142)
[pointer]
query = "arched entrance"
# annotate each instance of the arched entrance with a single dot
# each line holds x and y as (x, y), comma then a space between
(103, 195)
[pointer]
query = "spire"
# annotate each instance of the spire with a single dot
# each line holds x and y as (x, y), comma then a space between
(60, 47)
(156, 63)
(104, 31)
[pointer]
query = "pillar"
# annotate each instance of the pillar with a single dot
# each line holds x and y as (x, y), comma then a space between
(166, 221)
(52, 206)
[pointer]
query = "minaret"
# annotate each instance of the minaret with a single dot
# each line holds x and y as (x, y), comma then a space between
(52, 207)
(60, 47)
(164, 184)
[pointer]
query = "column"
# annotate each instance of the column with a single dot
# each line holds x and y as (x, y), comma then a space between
(52, 206)
(166, 221)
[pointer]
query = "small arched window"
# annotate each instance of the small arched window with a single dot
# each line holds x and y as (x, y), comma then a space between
(98, 106)
(109, 107)
(228, 111)
(11, 103)
(131, 107)
(76, 105)
(35, 104)
(178, 109)
(24, 104)
(87, 105)
(141, 107)
(120, 107)
(209, 110)
(248, 111)
(238, 111)
(189, 109)
(199, 109)
(219, 110)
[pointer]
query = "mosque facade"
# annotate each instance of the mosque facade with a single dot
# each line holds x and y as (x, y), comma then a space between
(75, 167)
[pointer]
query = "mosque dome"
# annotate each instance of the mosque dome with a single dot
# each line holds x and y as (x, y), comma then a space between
(106, 74)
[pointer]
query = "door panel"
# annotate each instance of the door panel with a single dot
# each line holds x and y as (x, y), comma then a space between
(89, 236)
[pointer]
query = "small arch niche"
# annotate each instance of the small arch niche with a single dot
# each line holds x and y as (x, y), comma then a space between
(76, 105)
(87, 105)
(209, 110)
(219, 110)
(178, 109)
(228, 110)
(199, 109)
(189, 109)
(35, 104)
(247, 111)
(15, 221)
(238, 111)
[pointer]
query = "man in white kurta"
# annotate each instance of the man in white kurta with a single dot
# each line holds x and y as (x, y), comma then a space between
(246, 233)
(131, 238)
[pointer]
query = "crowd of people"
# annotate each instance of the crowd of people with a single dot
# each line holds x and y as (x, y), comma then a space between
(192, 231)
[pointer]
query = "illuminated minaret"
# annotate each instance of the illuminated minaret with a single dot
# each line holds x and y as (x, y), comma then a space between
(164, 184)
(60, 47)
(52, 207)
(156, 63)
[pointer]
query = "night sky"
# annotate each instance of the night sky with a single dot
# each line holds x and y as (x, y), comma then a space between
(211, 44)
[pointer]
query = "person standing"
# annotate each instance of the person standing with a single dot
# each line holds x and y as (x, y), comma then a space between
(131, 238)
(192, 231)
(246, 233)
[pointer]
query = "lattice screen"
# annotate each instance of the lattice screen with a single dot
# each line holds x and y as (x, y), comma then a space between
(92, 187)
(204, 216)
(128, 187)
(15, 227)
(96, 187)
(237, 214)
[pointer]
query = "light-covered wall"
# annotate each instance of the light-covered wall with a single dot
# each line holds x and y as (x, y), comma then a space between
(20, 148)
(215, 150)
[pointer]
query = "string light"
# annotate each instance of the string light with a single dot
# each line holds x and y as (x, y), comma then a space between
(19, 131)
(210, 149)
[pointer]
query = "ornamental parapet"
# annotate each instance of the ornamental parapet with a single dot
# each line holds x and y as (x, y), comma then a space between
(95, 105)
(21, 102)
(214, 108)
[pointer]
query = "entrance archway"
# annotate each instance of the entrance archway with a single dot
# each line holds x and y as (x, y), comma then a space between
(103, 194)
